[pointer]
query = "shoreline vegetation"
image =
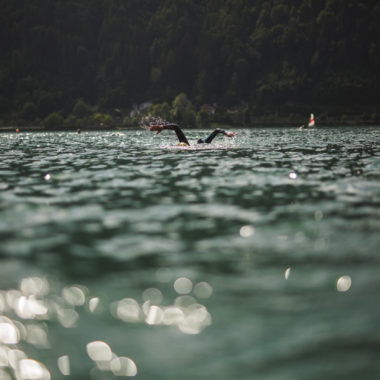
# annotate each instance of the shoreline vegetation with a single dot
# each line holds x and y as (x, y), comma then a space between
(68, 65)
(34, 128)
(182, 111)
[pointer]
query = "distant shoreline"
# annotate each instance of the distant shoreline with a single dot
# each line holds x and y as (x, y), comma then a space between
(8, 129)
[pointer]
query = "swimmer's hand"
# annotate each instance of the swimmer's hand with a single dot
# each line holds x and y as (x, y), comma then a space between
(230, 134)
(156, 128)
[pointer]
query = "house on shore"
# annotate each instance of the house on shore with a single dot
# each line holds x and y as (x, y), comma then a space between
(207, 108)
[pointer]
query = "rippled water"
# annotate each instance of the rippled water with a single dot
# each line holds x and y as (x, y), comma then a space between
(256, 258)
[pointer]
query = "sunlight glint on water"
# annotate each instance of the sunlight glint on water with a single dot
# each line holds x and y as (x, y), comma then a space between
(253, 257)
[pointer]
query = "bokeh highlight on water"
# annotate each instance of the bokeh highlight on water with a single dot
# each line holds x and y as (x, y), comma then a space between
(256, 257)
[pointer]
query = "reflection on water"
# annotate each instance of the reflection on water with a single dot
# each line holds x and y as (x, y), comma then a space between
(26, 310)
(124, 256)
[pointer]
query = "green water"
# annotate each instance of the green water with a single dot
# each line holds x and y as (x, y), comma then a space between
(255, 258)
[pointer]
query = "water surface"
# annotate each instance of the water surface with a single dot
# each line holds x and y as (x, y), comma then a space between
(256, 257)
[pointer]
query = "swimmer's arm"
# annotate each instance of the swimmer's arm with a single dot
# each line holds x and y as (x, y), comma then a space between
(216, 132)
(226, 133)
(173, 127)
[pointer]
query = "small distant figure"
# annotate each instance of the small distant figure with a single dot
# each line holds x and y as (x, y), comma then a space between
(310, 124)
(158, 128)
(78, 131)
(311, 121)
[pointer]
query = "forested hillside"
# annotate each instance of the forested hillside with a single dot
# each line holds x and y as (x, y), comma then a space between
(279, 55)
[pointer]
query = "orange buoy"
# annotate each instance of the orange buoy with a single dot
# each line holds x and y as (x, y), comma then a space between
(17, 130)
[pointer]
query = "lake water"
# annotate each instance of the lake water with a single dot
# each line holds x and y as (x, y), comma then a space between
(254, 258)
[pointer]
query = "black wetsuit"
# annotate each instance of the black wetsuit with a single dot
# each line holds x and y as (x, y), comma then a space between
(178, 131)
(211, 137)
(182, 138)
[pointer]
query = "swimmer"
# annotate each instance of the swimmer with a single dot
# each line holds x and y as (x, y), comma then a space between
(158, 128)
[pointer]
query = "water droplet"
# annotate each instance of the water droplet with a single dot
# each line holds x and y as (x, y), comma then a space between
(93, 303)
(128, 310)
(9, 333)
(99, 351)
(172, 315)
(155, 315)
(344, 283)
(33, 370)
(64, 365)
(74, 295)
(247, 231)
(34, 285)
(203, 290)
(183, 285)
(123, 366)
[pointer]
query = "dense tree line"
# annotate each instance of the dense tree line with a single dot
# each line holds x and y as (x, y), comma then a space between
(111, 54)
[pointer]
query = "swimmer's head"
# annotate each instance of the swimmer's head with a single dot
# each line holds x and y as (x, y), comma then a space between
(156, 128)
(200, 141)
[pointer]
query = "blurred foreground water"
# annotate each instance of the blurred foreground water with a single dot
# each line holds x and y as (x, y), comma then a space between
(254, 258)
